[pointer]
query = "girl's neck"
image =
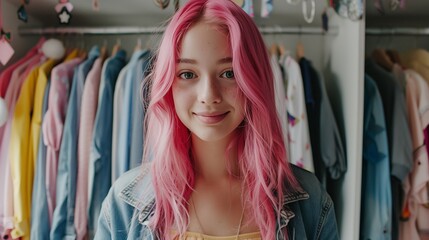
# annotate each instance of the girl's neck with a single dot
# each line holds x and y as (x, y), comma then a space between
(212, 159)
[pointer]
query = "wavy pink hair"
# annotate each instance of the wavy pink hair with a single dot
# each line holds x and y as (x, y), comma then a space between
(261, 152)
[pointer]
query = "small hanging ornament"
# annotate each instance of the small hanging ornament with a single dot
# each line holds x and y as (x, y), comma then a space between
(325, 21)
(63, 9)
(6, 50)
(64, 16)
(7, 35)
(22, 14)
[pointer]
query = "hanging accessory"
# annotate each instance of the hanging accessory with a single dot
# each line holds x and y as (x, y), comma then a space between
(163, 4)
(63, 9)
(22, 14)
(6, 50)
(64, 16)
(325, 21)
(309, 18)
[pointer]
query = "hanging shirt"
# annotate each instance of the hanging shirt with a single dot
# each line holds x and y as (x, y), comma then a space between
(87, 117)
(53, 123)
(19, 76)
(331, 145)
(124, 134)
(376, 205)
(117, 105)
(63, 218)
(24, 143)
(312, 94)
(137, 133)
(101, 143)
(299, 137)
(395, 113)
(280, 97)
(39, 204)
(417, 194)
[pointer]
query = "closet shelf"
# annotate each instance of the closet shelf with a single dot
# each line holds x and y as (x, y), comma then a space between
(159, 30)
(397, 31)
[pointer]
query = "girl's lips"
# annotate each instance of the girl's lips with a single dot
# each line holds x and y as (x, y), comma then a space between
(211, 118)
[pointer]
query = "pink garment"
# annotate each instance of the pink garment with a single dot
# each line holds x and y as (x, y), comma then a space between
(5, 76)
(6, 187)
(416, 191)
(87, 118)
(53, 124)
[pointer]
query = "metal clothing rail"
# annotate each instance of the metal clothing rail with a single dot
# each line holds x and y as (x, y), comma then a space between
(397, 31)
(159, 30)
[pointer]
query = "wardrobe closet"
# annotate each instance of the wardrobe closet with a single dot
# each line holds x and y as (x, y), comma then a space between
(339, 54)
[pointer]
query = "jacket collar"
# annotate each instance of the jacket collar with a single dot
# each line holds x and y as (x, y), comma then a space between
(141, 195)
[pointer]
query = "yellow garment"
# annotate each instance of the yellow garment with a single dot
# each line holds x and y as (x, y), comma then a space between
(24, 140)
(418, 60)
(72, 55)
(200, 236)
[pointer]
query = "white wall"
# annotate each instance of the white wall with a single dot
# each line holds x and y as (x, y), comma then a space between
(345, 86)
(10, 23)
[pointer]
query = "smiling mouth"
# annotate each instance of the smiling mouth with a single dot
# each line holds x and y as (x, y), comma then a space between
(211, 118)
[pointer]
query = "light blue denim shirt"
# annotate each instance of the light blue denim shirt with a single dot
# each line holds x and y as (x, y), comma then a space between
(63, 218)
(126, 114)
(138, 113)
(376, 209)
(101, 143)
(130, 204)
(39, 205)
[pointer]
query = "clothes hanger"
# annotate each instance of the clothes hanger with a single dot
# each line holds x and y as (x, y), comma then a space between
(299, 47)
(103, 50)
(381, 58)
(394, 56)
(116, 47)
(138, 46)
(163, 4)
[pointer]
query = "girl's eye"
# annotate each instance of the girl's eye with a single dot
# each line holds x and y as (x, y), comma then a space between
(186, 75)
(228, 74)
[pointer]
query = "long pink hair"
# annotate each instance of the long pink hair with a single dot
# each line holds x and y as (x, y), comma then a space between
(261, 150)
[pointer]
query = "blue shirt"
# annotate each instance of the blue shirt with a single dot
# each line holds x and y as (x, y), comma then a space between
(376, 205)
(39, 205)
(137, 134)
(124, 133)
(63, 218)
(101, 145)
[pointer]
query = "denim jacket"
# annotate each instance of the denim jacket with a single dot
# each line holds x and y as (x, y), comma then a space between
(127, 209)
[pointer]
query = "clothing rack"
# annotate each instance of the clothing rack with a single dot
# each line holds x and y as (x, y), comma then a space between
(159, 30)
(397, 31)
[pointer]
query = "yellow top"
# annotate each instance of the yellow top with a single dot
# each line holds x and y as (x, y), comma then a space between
(200, 236)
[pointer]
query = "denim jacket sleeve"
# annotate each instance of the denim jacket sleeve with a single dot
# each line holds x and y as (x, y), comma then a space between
(315, 216)
(119, 215)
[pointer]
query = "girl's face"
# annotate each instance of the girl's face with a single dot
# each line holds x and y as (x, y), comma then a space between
(205, 92)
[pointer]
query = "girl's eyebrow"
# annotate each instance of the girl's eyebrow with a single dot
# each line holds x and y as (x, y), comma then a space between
(193, 61)
(186, 60)
(225, 60)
